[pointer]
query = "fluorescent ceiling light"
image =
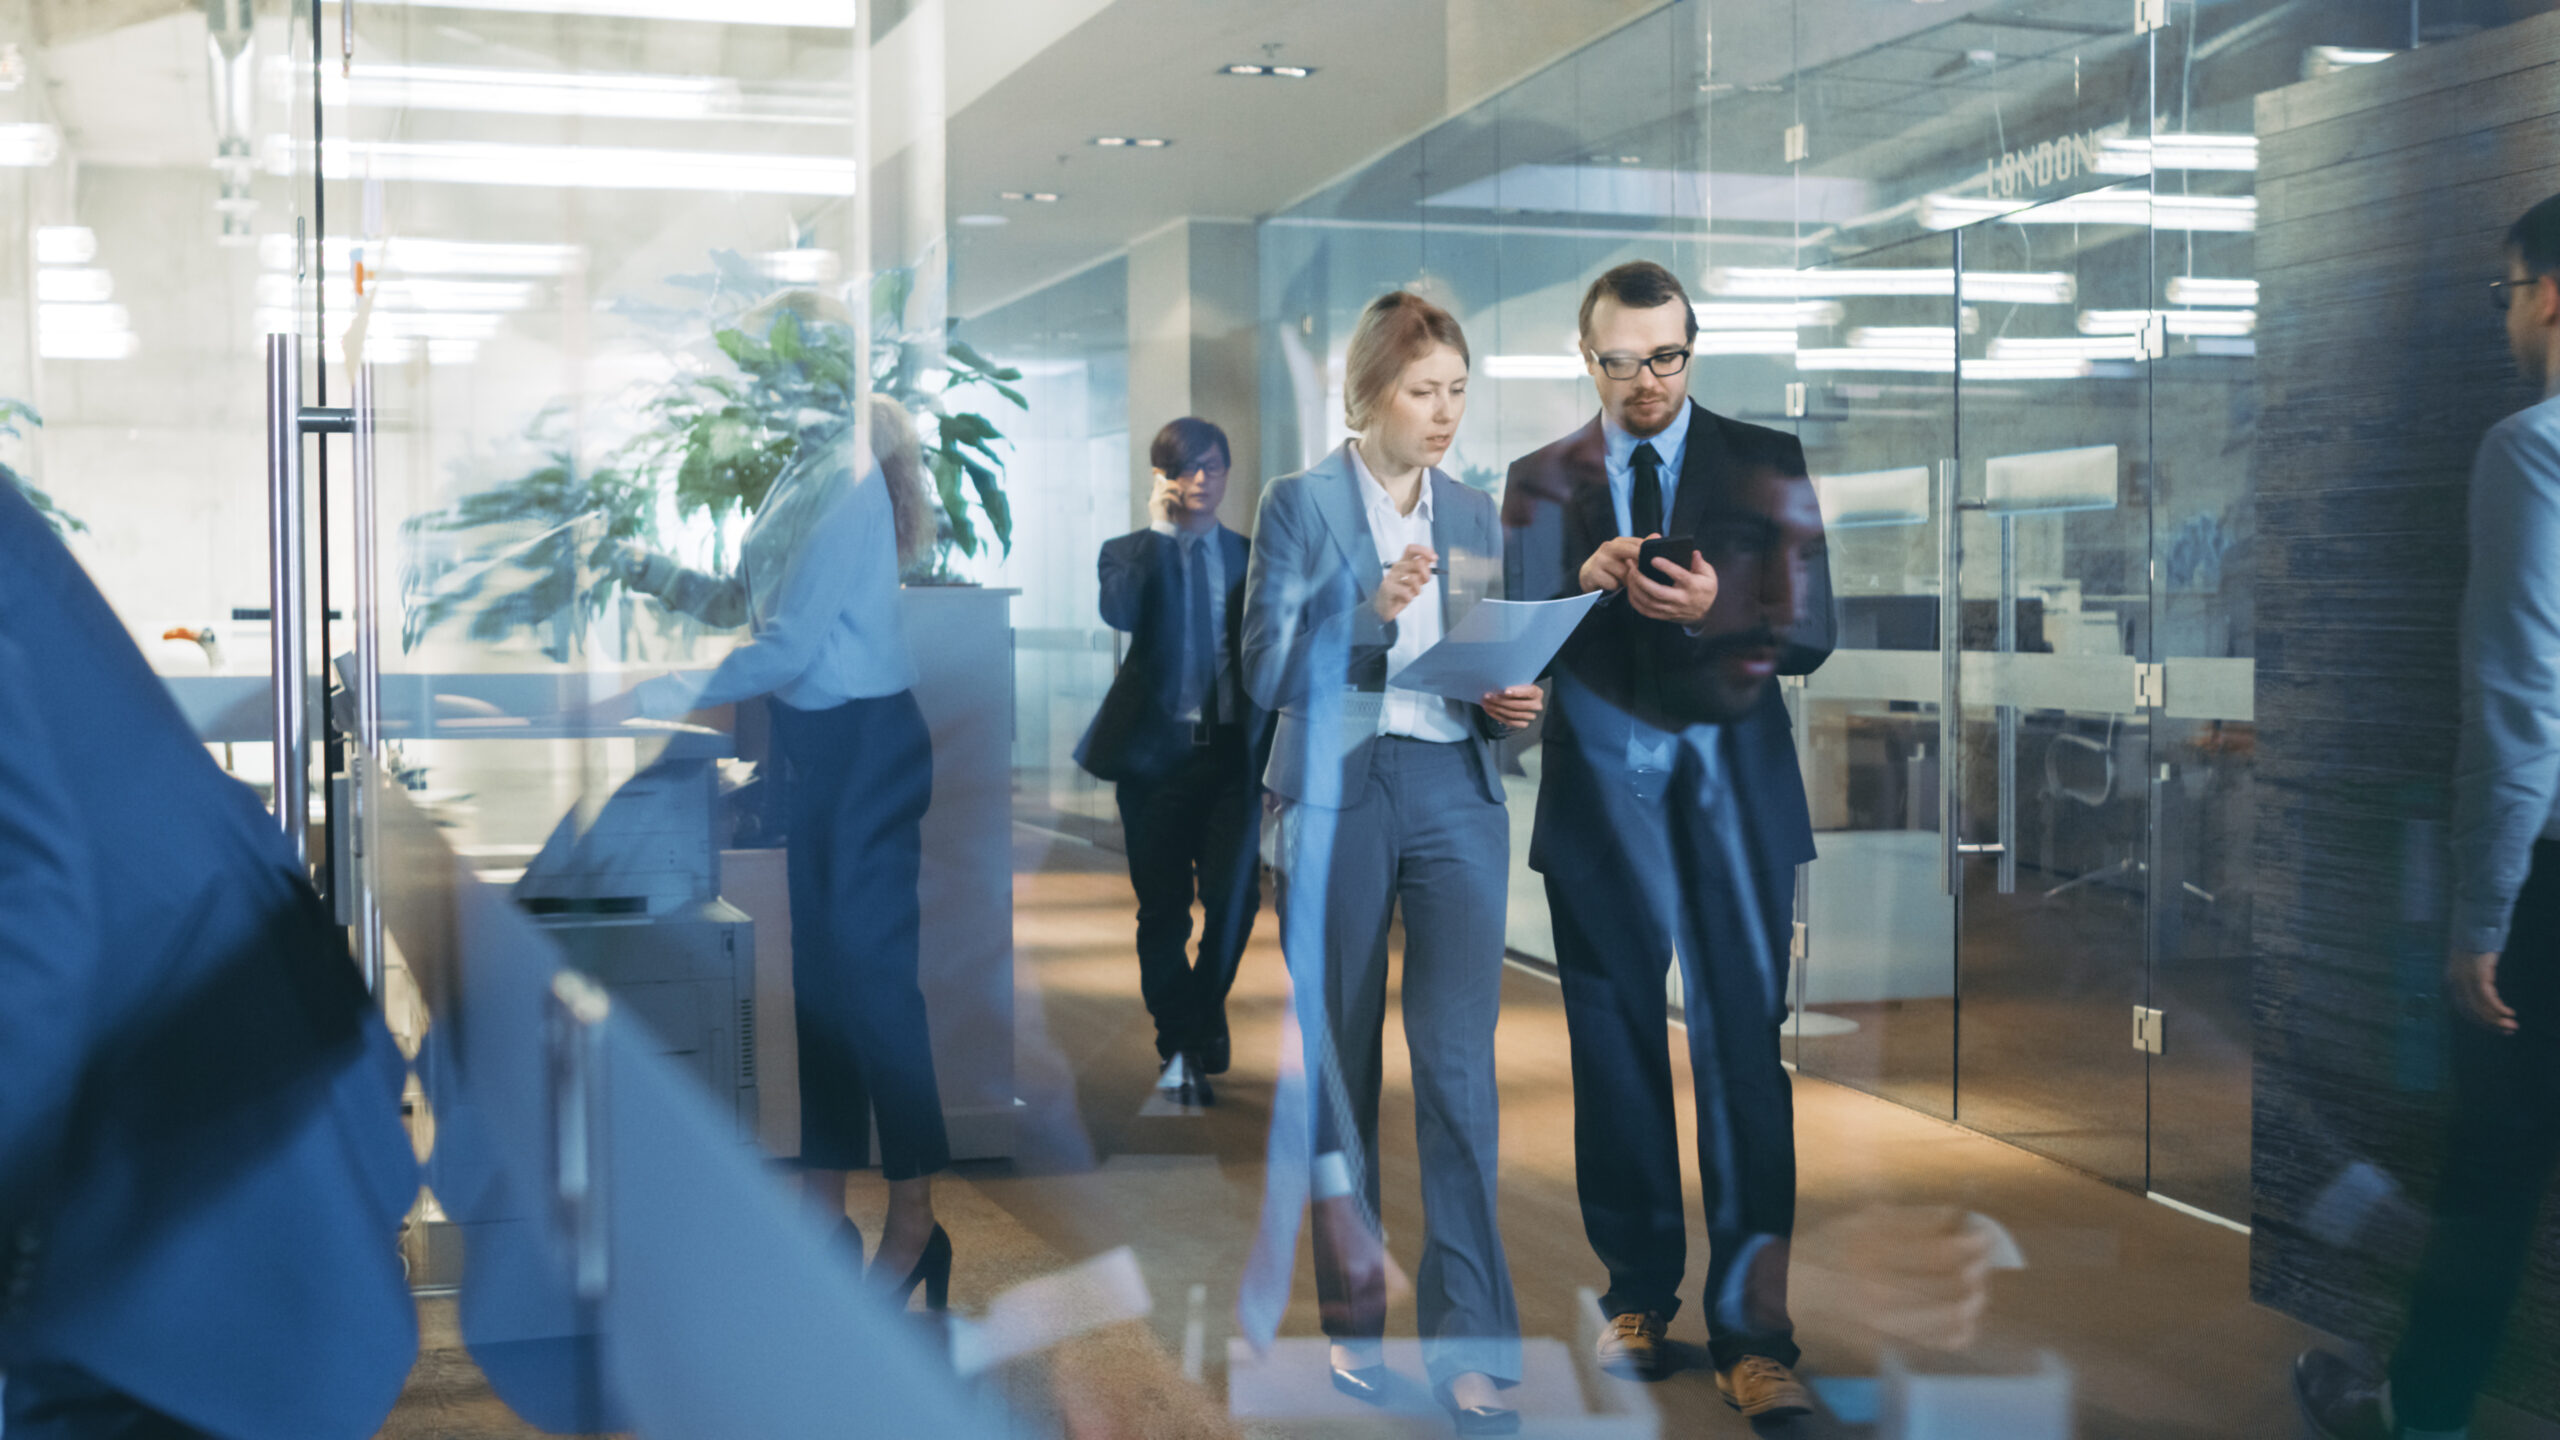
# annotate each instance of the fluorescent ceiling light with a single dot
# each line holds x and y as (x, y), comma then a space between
(404, 255)
(2321, 60)
(65, 245)
(982, 222)
(560, 92)
(1745, 342)
(1131, 142)
(452, 352)
(67, 318)
(1534, 367)
(85, 344)
(2069, 347)
(29, 146)
(2174, 322)
(2097, 207)
(2013, 287)
(2031, 368)
(1624, 185)
(1911, 361)
(280, 292)
(1744, 315)
(2119, 155)
(1036, 197)
(1918, 339)
(386, 325)
(801, 266)
(815, 14)
(81, 286)
(2200, 290)
(1276, 72)
(587, 167)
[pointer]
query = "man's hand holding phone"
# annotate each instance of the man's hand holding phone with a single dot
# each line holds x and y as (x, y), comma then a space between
(1671, 581)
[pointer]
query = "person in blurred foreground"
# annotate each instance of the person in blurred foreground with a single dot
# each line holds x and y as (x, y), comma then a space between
(1183, 741)
(2502, 970)
(202, 1167)
(1356, 562)
(1671, 817)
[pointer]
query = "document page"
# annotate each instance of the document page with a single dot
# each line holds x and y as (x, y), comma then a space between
(1496, 645)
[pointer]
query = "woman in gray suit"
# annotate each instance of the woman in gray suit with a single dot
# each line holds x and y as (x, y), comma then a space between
(1360, 563)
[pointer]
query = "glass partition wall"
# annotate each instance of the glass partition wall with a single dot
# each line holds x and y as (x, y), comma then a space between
(1966, 258)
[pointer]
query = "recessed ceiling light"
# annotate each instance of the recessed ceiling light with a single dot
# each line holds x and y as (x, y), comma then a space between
(1036, 197)
(982, 222)
(1131, 142)
(1276, 72)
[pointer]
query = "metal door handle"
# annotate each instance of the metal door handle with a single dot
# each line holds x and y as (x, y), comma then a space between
(1950, 678)
(366, 771)
(287, 646)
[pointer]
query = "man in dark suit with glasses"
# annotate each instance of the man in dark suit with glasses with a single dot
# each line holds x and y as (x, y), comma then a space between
(1183, 741)
(1671, 817)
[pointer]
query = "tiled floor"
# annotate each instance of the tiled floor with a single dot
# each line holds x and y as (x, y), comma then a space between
(2145, 1307)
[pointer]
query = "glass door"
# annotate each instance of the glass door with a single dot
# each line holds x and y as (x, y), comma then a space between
(1876, 990)
(2051, 804)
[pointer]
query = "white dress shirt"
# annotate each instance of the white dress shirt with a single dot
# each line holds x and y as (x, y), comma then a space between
(1416, 714)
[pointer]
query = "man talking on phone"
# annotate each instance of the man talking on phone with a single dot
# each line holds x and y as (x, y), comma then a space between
(1671, 817)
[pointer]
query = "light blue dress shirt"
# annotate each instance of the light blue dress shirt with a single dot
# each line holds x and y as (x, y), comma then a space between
(2506, 785)
(817, 584)
(1671, 444)
(1207, 550)
(1650, 750)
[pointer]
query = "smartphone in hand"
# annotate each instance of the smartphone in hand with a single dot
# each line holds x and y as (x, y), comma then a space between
(1680, 550)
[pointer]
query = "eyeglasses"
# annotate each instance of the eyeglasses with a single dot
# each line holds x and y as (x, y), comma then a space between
(1664, 363)
(2502, 293)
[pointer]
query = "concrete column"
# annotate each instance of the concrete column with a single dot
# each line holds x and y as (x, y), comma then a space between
(1194, 290)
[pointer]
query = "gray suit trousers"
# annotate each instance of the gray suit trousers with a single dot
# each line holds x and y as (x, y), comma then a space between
(1420, 832)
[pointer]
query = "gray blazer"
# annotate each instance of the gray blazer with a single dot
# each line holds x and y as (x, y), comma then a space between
(1315, 652)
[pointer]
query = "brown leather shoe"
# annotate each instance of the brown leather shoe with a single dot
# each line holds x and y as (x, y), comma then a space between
(2339, 1400)
(1633, 1345)
(1759, 1386)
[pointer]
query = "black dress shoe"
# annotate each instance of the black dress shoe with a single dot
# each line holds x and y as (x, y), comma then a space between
(1368, 1383)
(1213, 1057)
(1196, 1089)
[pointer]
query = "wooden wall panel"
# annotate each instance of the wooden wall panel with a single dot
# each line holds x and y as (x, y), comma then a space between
(2385, 192)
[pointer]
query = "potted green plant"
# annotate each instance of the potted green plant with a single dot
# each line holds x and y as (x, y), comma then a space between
(714, 441)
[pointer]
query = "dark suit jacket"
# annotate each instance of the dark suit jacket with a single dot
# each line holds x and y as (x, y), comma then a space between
(1556, 511)
(1136, 735)
(1316, 651)
(200, 1136)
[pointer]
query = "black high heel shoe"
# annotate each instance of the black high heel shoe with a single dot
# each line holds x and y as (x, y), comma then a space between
(932, 1271)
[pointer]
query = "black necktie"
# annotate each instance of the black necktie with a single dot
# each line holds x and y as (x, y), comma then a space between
(1644, 508)
(1199, 650)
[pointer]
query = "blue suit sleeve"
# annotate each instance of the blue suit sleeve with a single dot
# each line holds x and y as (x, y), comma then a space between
(1127, 564)
(2507, 768)
(49, 944)
(1293, 625)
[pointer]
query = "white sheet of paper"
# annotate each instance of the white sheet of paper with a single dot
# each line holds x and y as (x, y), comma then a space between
(1496, 645)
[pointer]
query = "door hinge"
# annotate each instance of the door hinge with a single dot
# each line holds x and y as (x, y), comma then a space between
(1797, 150)
(2149, 15)
(2150, 686)
(2150, 1031)
(1795, 400)
(1796, 943)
